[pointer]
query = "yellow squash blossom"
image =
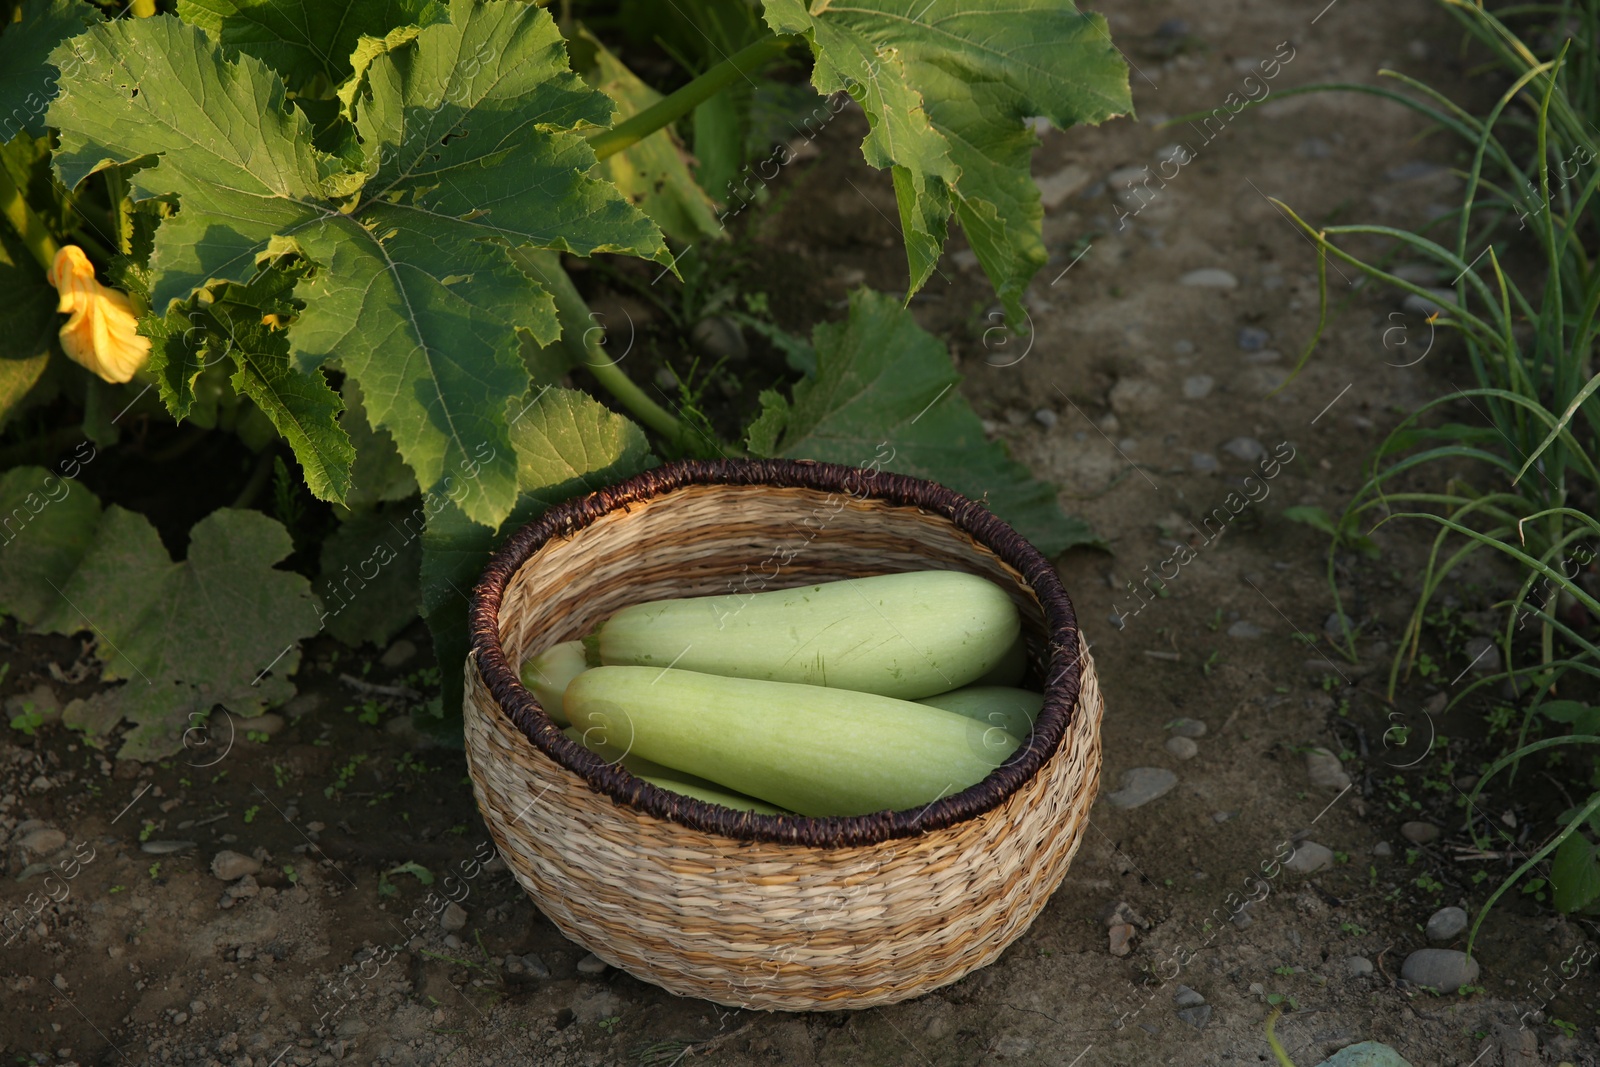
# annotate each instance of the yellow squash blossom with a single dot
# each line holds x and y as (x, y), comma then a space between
(102, 332)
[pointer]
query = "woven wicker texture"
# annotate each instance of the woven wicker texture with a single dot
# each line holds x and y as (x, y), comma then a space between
(868, 913)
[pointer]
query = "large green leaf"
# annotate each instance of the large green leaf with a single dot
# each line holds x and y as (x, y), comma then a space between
(652, 173)
(220, 627)
(885, 395)
(301, 406)
(1575, 874)
(26, 82)
(368, 583)
(301, 39)
(567, 444)
(46, 525)
(414, 291)
(946, 85)
(378, 474)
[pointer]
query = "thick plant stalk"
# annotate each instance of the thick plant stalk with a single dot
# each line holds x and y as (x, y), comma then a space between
(588, 354)
(22, 219)
(676, 105)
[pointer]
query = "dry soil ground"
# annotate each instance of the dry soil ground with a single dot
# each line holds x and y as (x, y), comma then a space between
(1144, 396)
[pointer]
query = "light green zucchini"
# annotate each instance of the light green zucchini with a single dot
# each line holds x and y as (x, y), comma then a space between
(547, 674)
(595, 741)
(1011, 668)
(1012, 710)
(715, 796)
(900, 635)
(814, 750)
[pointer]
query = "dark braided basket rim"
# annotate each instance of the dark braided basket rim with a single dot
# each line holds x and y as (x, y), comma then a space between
(1062, 673)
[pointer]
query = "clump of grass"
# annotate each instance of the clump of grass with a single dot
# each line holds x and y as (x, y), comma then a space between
(1523, 479)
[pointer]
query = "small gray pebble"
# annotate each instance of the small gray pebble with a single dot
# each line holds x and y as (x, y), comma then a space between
(1246, 449)
(592, 964)
(1187, 998)
(45, 841)
(534, 967)
(1204, 462)
(1484, 655)
(1244, 628)
(1196, 1016)
(229, 865)
(1253, 338)
(1309, 858)
(1325, 770)
(1198, 387)
(454, 917)
(1446, 923)
(1142, 785)
(1357, 966)
(164, 848)
(1419, 833)
(1210, 278)
(1383, 848)
(1443, 969)
(1045, 417)
(1187, 728)
(1182, 747)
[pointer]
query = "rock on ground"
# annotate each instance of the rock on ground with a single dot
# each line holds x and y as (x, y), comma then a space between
(1446, 923)
(1309, 857)
(1210, 278)
(1443, 969)
(1325, 770)
(229, 865)
(1365, 1054)
(1142, 785)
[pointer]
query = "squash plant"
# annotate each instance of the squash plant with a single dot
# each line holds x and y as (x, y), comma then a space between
(341, 225)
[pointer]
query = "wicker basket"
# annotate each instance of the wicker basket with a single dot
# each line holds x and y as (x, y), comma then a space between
(763, 911)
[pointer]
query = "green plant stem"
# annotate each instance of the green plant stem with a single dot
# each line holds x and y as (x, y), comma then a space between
(673, 107)
(577, 324)
(1272, 1039)
(28, 225)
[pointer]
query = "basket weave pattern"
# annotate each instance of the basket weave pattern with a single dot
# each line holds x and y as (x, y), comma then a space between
(774, 912)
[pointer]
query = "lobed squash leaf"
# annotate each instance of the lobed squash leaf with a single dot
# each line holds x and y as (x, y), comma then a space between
(947, 86)
(413, 292)
(219, 627)
(305, 39)
(885, 394)
(27, 83)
